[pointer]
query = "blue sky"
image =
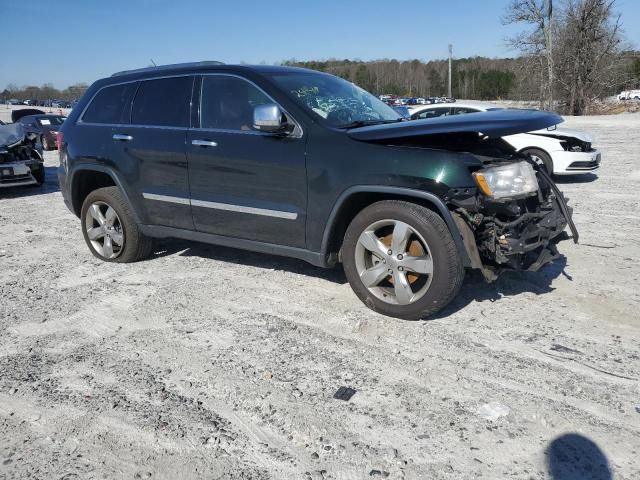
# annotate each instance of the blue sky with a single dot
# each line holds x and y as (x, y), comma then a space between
(68, 41)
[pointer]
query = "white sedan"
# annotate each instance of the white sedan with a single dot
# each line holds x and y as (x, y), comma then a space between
(563, 151)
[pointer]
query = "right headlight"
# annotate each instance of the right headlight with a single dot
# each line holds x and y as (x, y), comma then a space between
(504, 181)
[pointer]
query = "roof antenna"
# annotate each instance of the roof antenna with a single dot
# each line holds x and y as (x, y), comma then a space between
(153, 63)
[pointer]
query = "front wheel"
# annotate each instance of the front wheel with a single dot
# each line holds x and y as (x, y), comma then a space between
(401, 260)
(539, 156)
(109, 228)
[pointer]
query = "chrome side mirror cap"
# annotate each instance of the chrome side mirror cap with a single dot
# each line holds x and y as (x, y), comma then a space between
(270, 118)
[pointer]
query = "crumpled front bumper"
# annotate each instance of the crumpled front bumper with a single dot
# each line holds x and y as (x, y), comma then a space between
(496, 241)
(529, 242)
(14, 174)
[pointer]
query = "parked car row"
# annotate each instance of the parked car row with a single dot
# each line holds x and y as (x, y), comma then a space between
(561, 151)
(629, 95)
(43, 103)
(395, 101)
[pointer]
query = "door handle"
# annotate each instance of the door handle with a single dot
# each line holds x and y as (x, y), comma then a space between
(203, 143)
(122, 138)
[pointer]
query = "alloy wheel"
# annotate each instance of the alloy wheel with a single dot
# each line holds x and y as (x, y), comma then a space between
(394, 262)
(104, 230)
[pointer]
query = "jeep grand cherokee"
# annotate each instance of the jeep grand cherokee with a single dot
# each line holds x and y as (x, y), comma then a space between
(304, 164)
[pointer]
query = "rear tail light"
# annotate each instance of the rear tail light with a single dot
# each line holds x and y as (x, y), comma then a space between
(59, 140)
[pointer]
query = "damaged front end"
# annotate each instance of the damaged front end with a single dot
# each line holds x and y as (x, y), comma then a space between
(514, 219)
(21, 162)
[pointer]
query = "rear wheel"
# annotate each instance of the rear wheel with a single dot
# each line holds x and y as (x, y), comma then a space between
(401, 261)
(109, 228)
(540, 156)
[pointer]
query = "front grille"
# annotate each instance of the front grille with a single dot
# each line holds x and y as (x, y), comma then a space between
(585, 165)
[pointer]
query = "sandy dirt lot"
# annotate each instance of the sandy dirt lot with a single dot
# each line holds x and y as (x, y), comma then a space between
(207, 362)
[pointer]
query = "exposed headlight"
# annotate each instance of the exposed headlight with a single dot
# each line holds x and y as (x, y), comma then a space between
(512, 180)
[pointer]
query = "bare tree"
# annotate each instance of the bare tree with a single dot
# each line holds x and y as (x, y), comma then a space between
(536, 43)
(590, 41)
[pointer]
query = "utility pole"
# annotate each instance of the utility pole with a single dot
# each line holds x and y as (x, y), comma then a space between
(548, 37)
(450, 55)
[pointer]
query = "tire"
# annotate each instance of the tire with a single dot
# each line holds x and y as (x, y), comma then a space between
(543, 156)
(38, 175)
(428, 236)
(115, 227)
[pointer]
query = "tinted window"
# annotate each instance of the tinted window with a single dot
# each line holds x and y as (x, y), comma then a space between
(432, 112)
(163, 102)
(463, 110)
(111, 105)
(228, 102)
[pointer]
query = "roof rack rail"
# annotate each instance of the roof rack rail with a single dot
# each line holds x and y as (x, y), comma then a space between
(168, 67)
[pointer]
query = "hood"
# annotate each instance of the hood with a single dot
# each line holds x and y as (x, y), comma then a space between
(492, 124)
(564, 133)
(11, 134)
(23, 112)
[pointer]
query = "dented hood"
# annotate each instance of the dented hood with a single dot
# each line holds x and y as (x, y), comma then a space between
(11, 134)
(493, 124)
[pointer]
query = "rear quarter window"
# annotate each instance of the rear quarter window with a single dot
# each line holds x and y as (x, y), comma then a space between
(111, 105)
(163, 102)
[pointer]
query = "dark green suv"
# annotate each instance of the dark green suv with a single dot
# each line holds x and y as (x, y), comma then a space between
(304, 164)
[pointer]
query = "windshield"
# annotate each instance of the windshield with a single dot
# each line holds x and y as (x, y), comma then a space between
(57, 121)
(340, 103)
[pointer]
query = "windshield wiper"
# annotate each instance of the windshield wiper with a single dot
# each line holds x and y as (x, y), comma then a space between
(365, 123)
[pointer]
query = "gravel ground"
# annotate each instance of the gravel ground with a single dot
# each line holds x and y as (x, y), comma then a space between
(208, 362)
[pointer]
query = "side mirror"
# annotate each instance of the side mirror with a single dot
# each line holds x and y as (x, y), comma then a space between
(270, 118)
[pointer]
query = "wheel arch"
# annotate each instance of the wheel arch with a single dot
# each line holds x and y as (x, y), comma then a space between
(356, 198)
(87, 178)
(540, 149)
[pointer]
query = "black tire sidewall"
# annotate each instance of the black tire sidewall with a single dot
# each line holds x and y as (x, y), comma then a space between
(435, 232)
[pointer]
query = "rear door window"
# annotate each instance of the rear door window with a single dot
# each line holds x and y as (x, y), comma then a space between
(111, 105)
(163, 102)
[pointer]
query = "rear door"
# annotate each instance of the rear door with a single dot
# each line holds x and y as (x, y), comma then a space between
(244, 183)
(154, 144)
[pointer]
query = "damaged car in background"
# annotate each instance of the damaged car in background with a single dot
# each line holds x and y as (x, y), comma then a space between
(21, 161)
(561, 151)
(304, 164)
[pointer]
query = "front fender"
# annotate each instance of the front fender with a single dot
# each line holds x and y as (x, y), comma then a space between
(432, 199)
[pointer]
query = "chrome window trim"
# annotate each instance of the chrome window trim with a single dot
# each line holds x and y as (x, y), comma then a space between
(132, 125)
(297, 128)
(229, 207)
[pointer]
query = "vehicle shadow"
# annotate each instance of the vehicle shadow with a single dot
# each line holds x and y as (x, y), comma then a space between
(569, 179)
(476, 289)
(186, 248)
(575, 457)
(50, 185)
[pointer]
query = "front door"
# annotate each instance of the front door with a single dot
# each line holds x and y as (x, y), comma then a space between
(244, 183)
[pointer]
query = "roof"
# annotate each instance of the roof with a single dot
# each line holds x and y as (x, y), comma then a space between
(207, 65)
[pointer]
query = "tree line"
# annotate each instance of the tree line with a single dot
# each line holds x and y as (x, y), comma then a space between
(44, 92)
